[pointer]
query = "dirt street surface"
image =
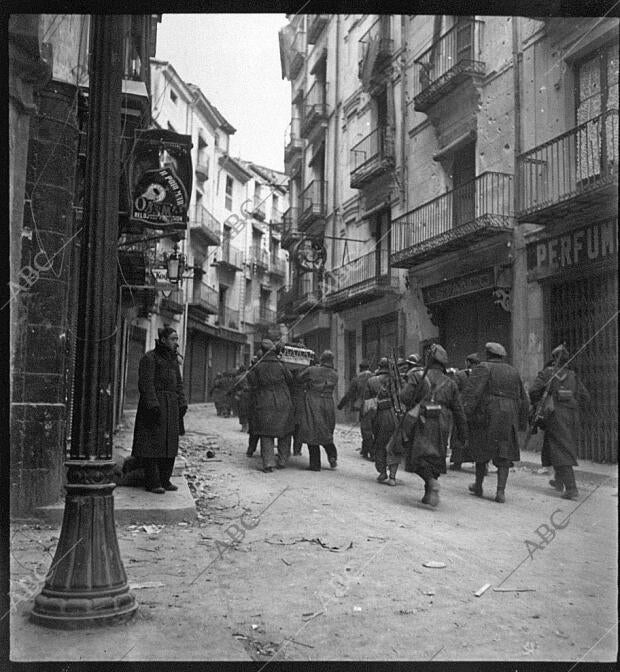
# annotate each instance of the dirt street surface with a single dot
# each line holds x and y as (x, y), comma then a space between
(299, 565)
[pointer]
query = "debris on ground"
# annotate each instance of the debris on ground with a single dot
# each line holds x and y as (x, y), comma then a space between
(317, 540)
(146, 584)
(483, 590)
(152, 529)
(434, 564)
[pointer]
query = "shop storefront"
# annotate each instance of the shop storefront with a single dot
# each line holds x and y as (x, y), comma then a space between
(470, 311)
(577, 272)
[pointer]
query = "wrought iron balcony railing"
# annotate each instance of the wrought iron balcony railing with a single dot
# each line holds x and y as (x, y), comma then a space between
(258, 211)
(227, 317)
(298, 53)
(259, 256)
(202, 169)
(453, 58)
(267, 315)
(372, 156)
(205, 226)
(312, 202)
(289, 226)
(277, 266)
(360, 280)
(571, 172)
(204, 298)
(229, 257)
(375, 49)
(315, 25)
(293, 147)
(314, 108)
(454, 220)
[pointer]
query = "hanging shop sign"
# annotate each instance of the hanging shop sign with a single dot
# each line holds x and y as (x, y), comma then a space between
(161, 179)
(586, 245)
(310, 254)
(466, 284)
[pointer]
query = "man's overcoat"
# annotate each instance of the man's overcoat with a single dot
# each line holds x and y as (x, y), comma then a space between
(559, 447)
(160, 386)
(270, 383)
(496, 406)
(318, 418)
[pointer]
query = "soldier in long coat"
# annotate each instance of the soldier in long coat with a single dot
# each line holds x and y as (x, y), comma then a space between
(459, 453)
(253, 437)
(439, 408)
(569, 396)
(355, 396)
(161, 409)
(318, 419)
(270, 382)
(496, 406)
(381, 388)
(218, 393)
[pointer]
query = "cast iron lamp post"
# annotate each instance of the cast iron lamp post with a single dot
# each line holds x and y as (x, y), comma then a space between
(87, 584)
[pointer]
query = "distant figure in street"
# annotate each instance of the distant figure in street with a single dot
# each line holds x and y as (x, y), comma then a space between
(218, 393)
(496, 406)
(318, 419)
(240, 394)
(355, 396)
(561, 428)
(379, 394)
(270, 383)
(160, 412)
(439, 408)
(459, 453)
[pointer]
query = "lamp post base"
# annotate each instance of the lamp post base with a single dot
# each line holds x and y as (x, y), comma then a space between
(86, 585)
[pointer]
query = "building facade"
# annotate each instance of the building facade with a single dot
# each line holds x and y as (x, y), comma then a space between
(433, 160)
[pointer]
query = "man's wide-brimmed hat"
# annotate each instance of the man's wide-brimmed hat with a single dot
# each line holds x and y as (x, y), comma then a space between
(384, 365)
(414, 359)
(473, 358)
(495, 349)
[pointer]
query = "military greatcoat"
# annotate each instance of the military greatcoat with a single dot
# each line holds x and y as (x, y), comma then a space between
(318, 417)
(562, 427)
(496, 406)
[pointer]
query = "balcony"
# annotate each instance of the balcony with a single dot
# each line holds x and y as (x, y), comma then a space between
(316, 24)
(202, 169)
(312, 203)
(259, 210)
(204, 300)
(204, 227)
(227, 317)
(375, 51)
(314, 110)
(573, 174)
(451, 60)
(259, 257)
(289, 227)
(286, 300)
(267, 316)
(454, 221)
(364, 279)
(172, 304)
(230, 258)
(293, 148)
(298, 53)
(371, 157)
(277, 267)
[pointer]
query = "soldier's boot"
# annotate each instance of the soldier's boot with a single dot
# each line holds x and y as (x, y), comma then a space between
(502, 478)
(568, 476)
(476, 487)
(427, 493)
(433, 486)
(392, 476)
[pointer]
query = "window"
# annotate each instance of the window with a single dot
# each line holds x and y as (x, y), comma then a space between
(173, 96)
(229, 192)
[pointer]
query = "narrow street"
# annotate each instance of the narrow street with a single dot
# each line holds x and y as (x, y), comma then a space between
(298, 565)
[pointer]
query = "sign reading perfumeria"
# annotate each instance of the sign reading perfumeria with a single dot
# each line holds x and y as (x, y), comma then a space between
(574, 249)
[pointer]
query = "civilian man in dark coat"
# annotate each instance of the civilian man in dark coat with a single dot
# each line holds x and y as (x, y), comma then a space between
(161, 408)
(496, 406)
(381, 388)
(439, 409)
(569, 396)
(459, 453)
(355, 396)
(318, 419)
(270, 383)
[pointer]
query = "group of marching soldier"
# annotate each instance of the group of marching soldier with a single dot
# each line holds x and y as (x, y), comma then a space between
(411, 411)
